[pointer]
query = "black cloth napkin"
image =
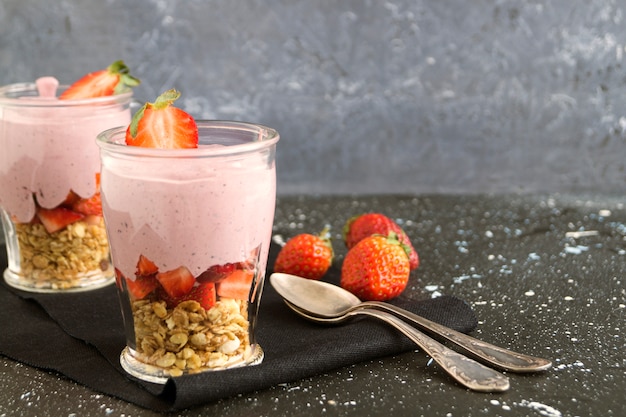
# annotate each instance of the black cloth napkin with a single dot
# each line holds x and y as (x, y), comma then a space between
(81, 335)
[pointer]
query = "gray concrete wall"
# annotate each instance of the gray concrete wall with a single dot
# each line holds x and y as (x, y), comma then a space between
(369, 96)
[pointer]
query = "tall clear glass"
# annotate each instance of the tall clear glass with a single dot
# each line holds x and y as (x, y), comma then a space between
(49, 198)
(189, 231)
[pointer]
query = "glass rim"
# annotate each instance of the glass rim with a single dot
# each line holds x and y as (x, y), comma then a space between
(36, 101)
(267, 137)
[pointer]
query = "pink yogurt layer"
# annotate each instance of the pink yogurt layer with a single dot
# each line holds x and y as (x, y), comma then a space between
(48, 146)
(193, 212)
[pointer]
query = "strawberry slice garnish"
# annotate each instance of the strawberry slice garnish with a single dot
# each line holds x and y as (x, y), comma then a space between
(177, 282)
(57, 218)
(142, 286)
(237, 285)
(161, 125)
(115, 79)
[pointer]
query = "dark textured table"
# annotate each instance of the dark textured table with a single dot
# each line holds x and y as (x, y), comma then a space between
(545, 275)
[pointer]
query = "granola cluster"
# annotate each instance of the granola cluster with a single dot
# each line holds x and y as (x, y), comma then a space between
(63, 259)
(190, 339)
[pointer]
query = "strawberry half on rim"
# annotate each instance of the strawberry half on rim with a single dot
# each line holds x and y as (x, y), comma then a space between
(161, 125)
(115, 79)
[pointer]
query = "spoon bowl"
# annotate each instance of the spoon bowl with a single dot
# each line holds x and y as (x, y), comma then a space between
(323, 300)
(317, 297)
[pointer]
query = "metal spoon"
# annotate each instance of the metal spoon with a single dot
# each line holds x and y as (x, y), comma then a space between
(326, 300)
(466, 371)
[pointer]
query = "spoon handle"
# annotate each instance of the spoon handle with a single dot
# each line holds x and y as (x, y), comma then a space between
(464, 370)
(502, 358)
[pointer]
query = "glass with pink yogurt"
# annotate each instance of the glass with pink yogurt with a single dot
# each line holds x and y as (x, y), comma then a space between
(189, 231)
(49, 198)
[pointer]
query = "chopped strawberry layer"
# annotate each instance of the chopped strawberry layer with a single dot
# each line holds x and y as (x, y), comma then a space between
(58, 218)
(217, 273)
(71, 210)
(89, 206)
(204, 294)
(71, 199)
(230, 280)
(237, 285)
(142, 286)
(176, 282)
(145, 266)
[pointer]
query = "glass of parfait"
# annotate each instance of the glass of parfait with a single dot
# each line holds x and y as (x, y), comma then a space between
(49, 186)
(189, 231)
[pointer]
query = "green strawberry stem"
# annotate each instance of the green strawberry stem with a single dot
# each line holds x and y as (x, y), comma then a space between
(346, 227)
(393, 238)
(166, 99)
(326, 238)
(126, 80)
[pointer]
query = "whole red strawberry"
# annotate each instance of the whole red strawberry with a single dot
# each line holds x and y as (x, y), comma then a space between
(161, 125)
(115, 79)
(306, 255)
(359, 227)
(376, 268)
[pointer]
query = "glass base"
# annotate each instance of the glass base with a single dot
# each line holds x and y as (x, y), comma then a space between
(157, 375)
(88, 283)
